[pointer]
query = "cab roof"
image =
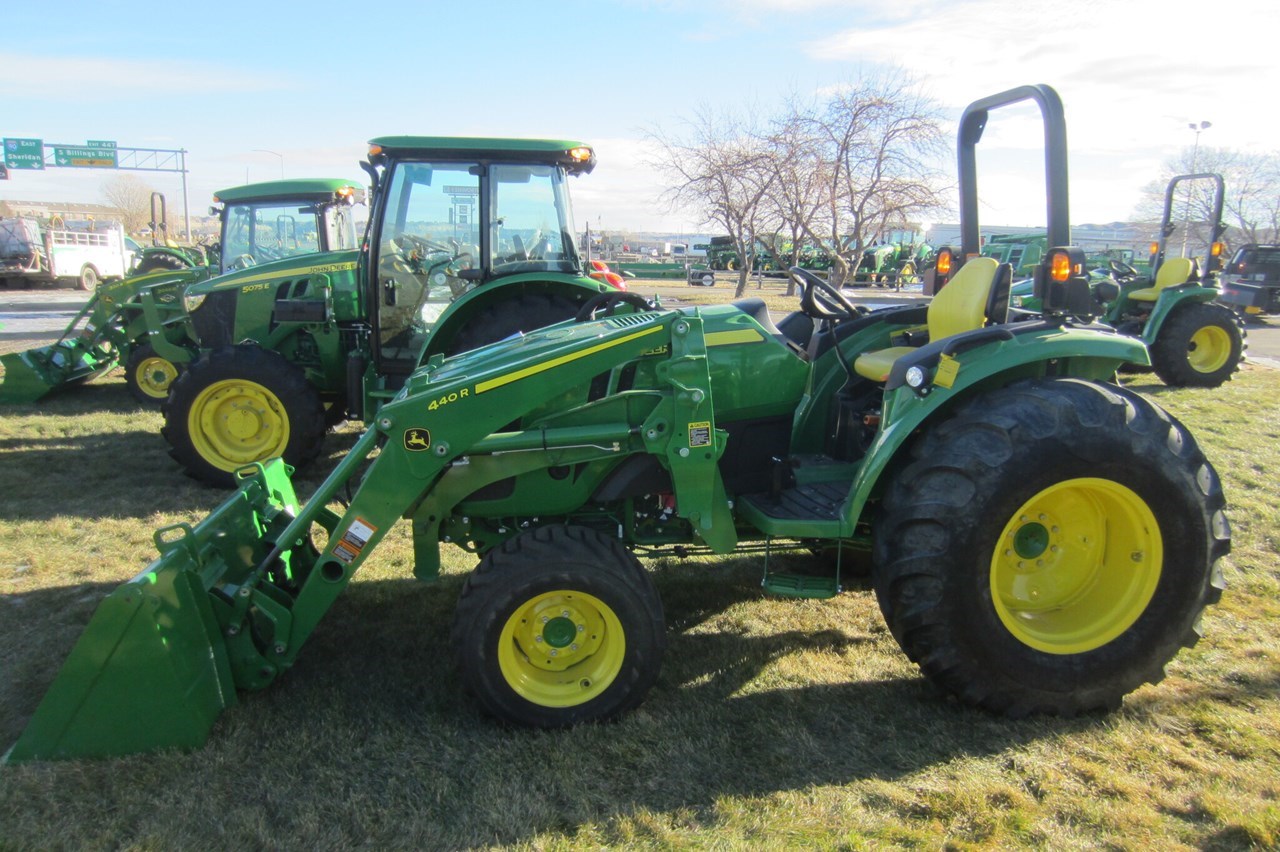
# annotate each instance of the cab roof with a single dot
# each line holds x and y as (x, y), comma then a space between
(549, 151)
(305, 189)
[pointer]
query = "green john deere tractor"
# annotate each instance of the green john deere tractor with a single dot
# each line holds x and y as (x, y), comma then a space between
(1043, 540)
(470, 241)
(1193, 340)
(898, 257)
(140, 321)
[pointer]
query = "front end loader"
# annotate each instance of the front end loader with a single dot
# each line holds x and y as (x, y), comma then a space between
(140, 322)
(1042, 540)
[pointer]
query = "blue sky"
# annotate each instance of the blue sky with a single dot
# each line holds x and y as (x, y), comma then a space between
(314, 81)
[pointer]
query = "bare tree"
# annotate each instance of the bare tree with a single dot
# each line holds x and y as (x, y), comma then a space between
(1252, 206)
(720, 168)
(880, 139)
(132, 197)
(801, 186)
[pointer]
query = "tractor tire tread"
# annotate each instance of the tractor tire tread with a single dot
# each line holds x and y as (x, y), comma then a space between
(925, 543)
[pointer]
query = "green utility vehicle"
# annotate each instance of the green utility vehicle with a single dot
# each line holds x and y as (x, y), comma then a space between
(1194, 342)
(164, 252)
(141, 322)
(470, 241)
(1043, 541)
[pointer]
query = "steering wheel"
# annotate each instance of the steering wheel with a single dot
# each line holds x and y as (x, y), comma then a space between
(1120, 269)
(820, 300)
(604, 305)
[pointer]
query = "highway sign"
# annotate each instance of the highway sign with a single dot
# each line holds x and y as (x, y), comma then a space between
(84, 156)
(24, 153)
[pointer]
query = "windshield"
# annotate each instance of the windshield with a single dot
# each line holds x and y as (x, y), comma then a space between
(258, 233)
(531, 221)
(429, 234)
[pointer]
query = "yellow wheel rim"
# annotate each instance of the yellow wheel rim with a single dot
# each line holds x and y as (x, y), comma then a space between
(561, 649)
(1076, 566)
(154, 375)
(1209, 349)
(235, 422)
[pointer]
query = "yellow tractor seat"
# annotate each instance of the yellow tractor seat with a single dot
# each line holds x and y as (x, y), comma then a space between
(1174, 271)
(965, 304)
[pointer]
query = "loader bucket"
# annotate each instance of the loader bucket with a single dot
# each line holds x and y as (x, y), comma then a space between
(30, 375)
(153, 669)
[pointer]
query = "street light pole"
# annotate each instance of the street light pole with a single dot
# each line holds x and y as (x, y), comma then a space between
(1197, 127)
(276, 154)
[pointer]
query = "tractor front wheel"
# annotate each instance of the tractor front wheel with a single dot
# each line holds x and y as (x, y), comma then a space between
(148, 375)
(1200, 345)
(506, 317)
(1050, 547)
(239, 405)
(559, 626)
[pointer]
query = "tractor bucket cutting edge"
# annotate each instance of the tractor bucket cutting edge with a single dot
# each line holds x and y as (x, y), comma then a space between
(154, 668)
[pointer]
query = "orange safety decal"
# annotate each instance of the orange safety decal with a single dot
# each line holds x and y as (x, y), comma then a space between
(353, 541)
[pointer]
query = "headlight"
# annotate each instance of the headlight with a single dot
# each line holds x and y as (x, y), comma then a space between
(915, 377)
(192, 302)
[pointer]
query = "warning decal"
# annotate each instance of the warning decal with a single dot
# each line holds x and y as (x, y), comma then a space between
(353, 540)
(700, 434)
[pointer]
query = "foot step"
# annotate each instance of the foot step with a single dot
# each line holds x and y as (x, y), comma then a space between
(800, 585)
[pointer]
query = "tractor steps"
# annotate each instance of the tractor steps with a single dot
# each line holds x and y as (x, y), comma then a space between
(802, 511)
(789, 585)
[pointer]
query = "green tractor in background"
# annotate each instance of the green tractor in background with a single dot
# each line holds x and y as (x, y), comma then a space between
(164, 252)
(470, 241)
(898, 257)
(140, 321)
(1023, 252)
(1193, 340)
(1042, 540)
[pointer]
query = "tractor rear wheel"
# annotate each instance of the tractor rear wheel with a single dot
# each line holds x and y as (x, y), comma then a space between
(148, 375)
(1200, 345)
(239, 405)
(1050, 547)
(164, 260)
(559, 626)
(504, 318)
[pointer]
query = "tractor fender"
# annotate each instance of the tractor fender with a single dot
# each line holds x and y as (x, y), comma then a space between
(1171, 298)
(463, 310)
(998, 356)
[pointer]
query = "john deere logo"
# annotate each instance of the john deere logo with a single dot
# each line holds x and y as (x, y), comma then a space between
(416, 440)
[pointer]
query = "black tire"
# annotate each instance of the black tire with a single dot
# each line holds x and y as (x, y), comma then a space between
(153, 262)
(500, 320)
(1199, 345)
(535, 671)
(149, 376)
(89, 277)
(1030, 472)
(241, 404)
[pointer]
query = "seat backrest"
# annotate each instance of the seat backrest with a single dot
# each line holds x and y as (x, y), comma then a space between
(1174, 271)
(998, 301)
(962, 304)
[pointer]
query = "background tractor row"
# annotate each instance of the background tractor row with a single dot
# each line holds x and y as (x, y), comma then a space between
(1042, 540)
(1194, 340)
(140, 321)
